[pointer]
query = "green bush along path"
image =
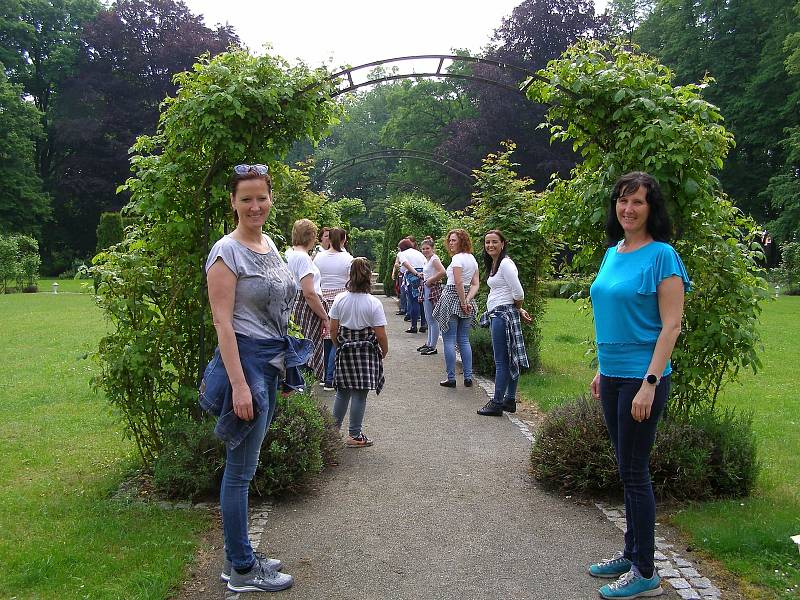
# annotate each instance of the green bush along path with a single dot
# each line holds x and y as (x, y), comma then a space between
(750, 536)
(61, 456)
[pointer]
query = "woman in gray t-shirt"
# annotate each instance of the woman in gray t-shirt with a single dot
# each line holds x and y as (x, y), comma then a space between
(250, 290)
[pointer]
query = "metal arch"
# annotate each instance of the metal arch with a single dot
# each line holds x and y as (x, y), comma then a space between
(346, 75)
(397, 153)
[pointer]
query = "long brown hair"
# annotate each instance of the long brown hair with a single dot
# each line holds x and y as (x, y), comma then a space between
(360, 276)
(337, 237)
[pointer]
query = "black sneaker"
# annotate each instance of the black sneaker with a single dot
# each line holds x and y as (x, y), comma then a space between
(468, 383)
(451, 383)
(428, 351)
(423, 329)
(423, 348)
(510, 406)
(491, 410)
(411, 330)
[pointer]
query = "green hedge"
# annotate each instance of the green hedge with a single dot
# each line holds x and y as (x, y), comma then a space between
(700, 456)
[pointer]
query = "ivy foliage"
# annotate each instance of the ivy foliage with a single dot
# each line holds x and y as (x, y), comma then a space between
(19, 263)
(622, 112)
(407, 214)
(502, 200)
(234, 108)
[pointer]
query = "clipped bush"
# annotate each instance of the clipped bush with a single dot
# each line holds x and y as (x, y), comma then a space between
(191, 461)
(709, 454)
(480, 338)
(292, 452)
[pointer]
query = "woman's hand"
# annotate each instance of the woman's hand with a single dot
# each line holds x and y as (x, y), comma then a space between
(595, 387)
(643, 402)
(466, 307)
(243, 402)
(525, 316)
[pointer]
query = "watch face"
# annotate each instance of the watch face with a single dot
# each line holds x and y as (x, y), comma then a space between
(652, 379)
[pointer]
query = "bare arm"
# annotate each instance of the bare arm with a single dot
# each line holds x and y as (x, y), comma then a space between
(438, 275)
(221, 296)
(474, 285)
(312, 298)
(383, 340)
(333, 325)
(670, 307)
(458, 272)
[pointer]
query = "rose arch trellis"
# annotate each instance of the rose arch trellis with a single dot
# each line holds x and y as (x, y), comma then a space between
(618, 109)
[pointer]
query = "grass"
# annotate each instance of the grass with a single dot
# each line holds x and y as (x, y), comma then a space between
(72, 286)
(749, 536)
(61, 456)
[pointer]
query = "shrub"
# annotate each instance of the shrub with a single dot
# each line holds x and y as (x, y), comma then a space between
(109, 230)
(191, 461)
(788, 273)
(480, 338)
(707, 454)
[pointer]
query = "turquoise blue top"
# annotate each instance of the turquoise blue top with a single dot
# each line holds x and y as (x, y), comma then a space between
(627, 322)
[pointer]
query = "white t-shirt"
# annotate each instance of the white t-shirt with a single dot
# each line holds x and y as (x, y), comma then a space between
(334, 268)
(412, 256)
(504, 286)
(301, 265)
(357, 310)
(428, 270)
(468, 264)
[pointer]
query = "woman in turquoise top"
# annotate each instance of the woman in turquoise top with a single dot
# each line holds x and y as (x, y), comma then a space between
(637, 299)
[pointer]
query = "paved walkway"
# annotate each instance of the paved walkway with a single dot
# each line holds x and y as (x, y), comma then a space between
(441, 507)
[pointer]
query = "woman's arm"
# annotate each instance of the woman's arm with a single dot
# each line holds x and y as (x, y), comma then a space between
(670, 307)
(409, 267)
(221, 296)
(333, 325)
(312, 298)
(462, 297)
(440, 273)
(474, 285)
(383, 341)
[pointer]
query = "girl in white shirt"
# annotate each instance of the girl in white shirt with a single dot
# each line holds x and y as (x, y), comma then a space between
(412, 260)
(334, 268)
(310, 309)
(456, 310)
(503, 312)
(433, 273)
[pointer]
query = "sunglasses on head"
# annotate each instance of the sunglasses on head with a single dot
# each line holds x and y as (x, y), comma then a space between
(245, 169)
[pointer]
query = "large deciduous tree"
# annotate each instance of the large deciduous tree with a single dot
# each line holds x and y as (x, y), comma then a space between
(24, 207)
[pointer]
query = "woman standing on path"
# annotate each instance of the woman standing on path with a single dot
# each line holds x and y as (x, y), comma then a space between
(413, 261)
(637, 299)
(433, 272)
(358, 328)
(251, 291)
(502, 316)
(334, 268)
(456, 310)
(309, 310)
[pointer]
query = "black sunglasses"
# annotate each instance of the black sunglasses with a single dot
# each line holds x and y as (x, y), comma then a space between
(245, 169)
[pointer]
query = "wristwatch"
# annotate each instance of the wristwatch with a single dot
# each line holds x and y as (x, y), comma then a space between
(651, 379)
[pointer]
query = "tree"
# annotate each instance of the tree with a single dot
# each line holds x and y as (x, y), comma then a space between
(129, 56)
(624, 16)
(24, 207)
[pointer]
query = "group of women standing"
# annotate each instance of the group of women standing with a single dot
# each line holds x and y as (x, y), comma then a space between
(637, 302)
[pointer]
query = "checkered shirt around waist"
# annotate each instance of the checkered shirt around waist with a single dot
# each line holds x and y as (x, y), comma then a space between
(515, 342)
(359, 362)
(450, 305)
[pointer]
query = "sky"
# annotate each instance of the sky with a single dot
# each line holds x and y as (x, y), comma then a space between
(354, 32)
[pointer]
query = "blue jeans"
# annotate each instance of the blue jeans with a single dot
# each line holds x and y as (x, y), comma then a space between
(329, 360)
(412, 306)
(457, 333)
(403, 293)
(240, 466)
(433, 326)
(633, 442)
(505, 388)
(357, 400)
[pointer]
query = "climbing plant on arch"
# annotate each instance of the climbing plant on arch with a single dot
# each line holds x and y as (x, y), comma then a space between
(234, 108)
(622, 113)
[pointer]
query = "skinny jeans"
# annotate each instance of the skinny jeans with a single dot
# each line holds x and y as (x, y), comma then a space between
(505, 387)
(412, 303)
(357, 400)
(240, 467)
(457, 334)
(433, 326)
(329, 358)
(633, 441)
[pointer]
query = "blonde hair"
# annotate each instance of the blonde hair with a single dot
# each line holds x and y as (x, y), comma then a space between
(304, 232)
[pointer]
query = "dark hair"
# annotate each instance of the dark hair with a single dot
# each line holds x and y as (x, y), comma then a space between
(413, 241)
(337, 237)
(322, 232)
(464, 243)
(360, 281)
(658, 225)
(489, 264)
(405, 244)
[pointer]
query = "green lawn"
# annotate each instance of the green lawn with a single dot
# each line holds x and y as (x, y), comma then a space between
(750, 536)
(61, 455)
(72, 286)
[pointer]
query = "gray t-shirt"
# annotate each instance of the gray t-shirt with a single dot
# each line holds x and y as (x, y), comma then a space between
(265, 288)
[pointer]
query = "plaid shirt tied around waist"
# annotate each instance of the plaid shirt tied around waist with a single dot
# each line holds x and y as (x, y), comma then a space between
(515, 343)
(449, 304)
(359, 362)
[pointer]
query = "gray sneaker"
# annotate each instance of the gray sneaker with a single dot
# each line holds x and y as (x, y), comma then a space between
(259, 579)
(269, 563)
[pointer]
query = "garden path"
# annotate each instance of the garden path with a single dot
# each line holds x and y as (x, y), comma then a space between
(441, 507)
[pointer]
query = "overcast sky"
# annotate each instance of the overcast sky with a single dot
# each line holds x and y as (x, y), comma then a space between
(338, 32)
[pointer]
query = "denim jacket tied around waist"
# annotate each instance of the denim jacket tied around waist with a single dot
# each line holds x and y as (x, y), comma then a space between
(277, 357)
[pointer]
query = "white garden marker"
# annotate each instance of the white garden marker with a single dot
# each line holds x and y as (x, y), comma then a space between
(796, 540)
(55, 287)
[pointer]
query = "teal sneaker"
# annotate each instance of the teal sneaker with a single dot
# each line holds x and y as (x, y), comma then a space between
(611, 567)
(632, 585)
